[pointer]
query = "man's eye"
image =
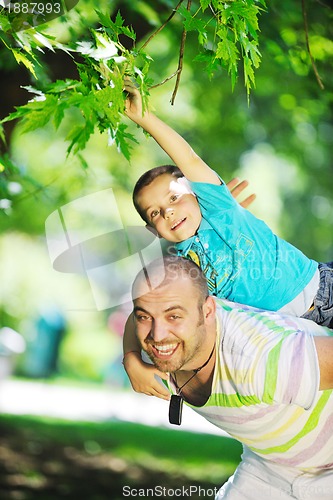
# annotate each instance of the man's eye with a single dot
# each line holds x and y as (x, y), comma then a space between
(142, 317)
(174, 316)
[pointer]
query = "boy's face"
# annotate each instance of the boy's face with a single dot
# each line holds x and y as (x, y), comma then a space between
(170, 208)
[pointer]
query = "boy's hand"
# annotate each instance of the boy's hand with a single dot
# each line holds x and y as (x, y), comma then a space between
(142, 377)
(236, 188)
(133, 107)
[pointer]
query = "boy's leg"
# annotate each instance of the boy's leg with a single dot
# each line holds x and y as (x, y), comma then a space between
(322, 310)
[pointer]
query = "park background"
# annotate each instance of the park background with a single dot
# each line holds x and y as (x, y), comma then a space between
(278, 135)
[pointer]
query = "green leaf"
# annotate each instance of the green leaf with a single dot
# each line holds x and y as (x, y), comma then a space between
(248, 74)
(83, 161)
(227, 51)
(79, 137)
(19, 113)
(202, 37)
(125, 30)
(208, 58)
(116, 28)
(40, 113)
(192, 23)
(59, 113)
(4, 23)
(21, 58)
(2, 134)
(254, 54)
(104, 19)
(103, 98)
(122, 138)
(204, 4)
(62, 86)
(76, 99)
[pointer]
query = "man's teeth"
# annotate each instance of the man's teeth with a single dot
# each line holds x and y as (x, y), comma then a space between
(165, 349)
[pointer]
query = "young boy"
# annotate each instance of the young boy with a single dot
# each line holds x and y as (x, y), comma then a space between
(240, 256)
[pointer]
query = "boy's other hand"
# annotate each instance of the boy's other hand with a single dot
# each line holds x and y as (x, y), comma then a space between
(236, 187)
(133, 105)
(142, 377)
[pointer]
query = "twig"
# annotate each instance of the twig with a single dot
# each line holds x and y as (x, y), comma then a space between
(39, 188)
(320, 83)
(323, 4)
(163, 25)
(213, 11)
(180, 67)
(165, 80)
(180, 60)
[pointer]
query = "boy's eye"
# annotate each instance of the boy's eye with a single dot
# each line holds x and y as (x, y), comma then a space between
(154, 213)
(174, 197)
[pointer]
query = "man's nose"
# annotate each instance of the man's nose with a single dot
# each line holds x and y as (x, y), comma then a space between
(159, 331)
(168, 212)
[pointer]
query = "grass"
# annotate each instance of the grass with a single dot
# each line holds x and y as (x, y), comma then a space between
(48, 458)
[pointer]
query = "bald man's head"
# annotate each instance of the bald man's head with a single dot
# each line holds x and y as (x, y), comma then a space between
(169, 270)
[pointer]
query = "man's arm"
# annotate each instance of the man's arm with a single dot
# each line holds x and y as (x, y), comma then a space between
(236, 188)
(324, 347)
(180, 152)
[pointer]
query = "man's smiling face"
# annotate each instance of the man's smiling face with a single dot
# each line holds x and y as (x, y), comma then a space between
(170, 325)
(170, 208)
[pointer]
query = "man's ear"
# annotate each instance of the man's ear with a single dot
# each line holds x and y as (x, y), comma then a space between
(209, 309)
(152, 230)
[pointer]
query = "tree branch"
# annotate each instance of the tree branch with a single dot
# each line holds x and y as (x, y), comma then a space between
(163, 25)
(180, 60)
(320, 83)
(165, 80)
(323, 4)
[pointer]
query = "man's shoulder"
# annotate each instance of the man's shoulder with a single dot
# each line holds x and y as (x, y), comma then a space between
(229, 306)
(245, 316)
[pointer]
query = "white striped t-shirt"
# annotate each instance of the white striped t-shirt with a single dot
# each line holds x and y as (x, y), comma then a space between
(265, 390)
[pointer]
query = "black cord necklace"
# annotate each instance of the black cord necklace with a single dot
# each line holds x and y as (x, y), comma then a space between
(176, 401)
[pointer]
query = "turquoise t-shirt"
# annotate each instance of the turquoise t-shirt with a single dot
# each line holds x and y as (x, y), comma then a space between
(242, 259)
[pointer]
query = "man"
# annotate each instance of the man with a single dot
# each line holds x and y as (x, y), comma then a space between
(265, 378)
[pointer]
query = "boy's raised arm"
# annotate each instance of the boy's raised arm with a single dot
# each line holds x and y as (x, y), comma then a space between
(180, 152)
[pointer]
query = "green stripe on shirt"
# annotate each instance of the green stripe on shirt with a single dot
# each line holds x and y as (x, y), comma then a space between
(232, 400)
(308, 427)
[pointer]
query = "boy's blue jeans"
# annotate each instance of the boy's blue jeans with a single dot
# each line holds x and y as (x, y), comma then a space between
(322, 310)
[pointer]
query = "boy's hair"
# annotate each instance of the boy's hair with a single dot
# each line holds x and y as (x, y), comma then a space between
(147, 178)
